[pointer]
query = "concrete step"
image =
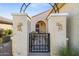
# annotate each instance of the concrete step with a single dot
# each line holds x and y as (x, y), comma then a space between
(39, 54)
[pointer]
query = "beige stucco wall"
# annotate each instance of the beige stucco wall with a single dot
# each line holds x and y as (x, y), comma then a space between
(57, 36)
(20, 38)
(5, 26)
(72, 23)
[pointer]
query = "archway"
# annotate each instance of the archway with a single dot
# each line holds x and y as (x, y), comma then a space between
(41, 27)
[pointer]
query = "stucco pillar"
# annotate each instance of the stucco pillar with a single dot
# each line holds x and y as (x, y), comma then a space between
(21, 29)
(57, 30)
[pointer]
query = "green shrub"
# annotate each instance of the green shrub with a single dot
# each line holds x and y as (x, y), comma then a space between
(5, 35)
(1, 33)
(68, 52)
(64, 52)
(0, 40)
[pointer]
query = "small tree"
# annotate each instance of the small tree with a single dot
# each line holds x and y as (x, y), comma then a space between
(5, 35)
(8, 32)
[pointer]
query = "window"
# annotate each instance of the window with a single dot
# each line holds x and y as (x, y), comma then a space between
(37, 28)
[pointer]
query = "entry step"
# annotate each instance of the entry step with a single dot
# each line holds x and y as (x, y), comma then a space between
(39, 54)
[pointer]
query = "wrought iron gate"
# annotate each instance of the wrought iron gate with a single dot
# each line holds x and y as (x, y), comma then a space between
(39, 42)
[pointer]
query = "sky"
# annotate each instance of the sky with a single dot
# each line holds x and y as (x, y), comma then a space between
(6, 9)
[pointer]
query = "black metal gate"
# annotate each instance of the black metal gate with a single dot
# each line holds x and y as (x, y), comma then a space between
(39, 42)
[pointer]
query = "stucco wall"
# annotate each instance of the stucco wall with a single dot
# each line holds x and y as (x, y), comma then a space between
(72, 23)
(57, 35)
(39, 17)
(20, 38)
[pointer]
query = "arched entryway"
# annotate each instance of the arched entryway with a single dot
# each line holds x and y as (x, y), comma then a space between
(39, 43)
(40, 27)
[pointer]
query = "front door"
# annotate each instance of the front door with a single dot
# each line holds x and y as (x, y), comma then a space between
(40, 27)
